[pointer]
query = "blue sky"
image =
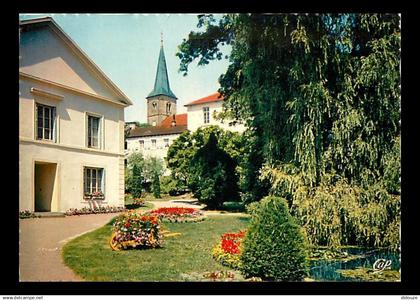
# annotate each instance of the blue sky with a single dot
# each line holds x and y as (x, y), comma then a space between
(126, 48)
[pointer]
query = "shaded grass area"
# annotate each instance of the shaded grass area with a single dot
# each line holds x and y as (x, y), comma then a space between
(91, 257)
(146, 206)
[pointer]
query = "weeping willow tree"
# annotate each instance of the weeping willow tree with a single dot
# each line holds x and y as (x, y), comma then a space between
(320, 95)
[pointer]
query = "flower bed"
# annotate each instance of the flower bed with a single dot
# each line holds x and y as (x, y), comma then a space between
(228, 251)
(26, 214)
(135, 230)
(94, 196)
(178, 214)
(96, 210)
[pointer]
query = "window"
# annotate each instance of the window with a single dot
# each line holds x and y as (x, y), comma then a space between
(93, 180)
(166, 142)
(154, 144)
(206, 113)
(45, 120)
(141, 144)
(93, 133)
(154, 104)
(168, 108)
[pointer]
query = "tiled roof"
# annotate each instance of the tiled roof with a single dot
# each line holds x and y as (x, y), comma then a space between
(180, 120)
(211, 98)
(156, 130)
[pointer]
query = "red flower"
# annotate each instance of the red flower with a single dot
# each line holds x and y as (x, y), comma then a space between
(174, 210)
(231, 242)
(127, 225)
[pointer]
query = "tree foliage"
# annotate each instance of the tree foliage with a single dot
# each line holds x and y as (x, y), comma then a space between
(134, 180)
(212, 176)
(321, 98)
(143, 174)
(274, 246)
(185, 147)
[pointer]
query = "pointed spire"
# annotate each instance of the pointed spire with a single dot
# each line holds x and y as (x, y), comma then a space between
(161, 81)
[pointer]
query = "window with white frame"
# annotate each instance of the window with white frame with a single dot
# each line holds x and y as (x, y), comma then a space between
(166, 142)
(93, 132)
(141, 142)
(206, 114)
(46, 122)
(153, 144)
(93, 181)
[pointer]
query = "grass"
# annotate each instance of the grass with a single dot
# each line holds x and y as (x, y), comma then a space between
(186, 254)
(146, 206)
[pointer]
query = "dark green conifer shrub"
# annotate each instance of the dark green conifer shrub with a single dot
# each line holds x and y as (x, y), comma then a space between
(274, 247)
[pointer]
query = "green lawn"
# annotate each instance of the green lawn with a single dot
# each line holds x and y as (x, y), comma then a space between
(91, 257)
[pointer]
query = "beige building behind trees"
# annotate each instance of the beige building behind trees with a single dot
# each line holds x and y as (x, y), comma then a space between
(71, 124)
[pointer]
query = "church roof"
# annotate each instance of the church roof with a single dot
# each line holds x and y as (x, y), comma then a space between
(156, 130)
(161, 81)
(164, 128)
(211, 98)
(180, 120)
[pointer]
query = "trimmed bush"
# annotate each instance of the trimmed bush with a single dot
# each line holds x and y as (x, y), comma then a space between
(274, 247)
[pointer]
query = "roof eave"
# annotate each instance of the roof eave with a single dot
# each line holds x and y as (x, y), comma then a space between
(53, 25)
(210, 101)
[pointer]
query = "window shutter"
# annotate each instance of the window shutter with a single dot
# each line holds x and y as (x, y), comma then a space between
(103, 182)
(101, 133)
(54, 125)
(87, 130)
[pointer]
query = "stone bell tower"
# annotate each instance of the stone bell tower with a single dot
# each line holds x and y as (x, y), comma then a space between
(161, 102)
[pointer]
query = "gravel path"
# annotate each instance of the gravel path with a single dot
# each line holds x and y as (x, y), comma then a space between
(41, 241)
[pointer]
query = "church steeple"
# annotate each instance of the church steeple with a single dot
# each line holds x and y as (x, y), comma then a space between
(161, 81)
(161, 101)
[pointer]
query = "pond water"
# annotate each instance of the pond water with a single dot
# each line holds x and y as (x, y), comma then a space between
(323, 270)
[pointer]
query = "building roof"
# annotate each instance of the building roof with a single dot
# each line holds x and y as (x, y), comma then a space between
(211, 98)
(180, 120)
(156, 130)
(161, 81)
(48, 21)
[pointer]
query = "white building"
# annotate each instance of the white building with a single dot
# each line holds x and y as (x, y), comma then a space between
(155, 140)
(202, 113)
(71, 124)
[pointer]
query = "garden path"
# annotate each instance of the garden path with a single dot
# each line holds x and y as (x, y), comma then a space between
(41, 241)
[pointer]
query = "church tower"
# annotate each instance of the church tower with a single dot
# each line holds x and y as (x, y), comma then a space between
(161, 102)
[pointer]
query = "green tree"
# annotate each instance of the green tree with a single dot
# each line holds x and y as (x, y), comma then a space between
(320, 95)
(153, 170)
(156, 185)
(133, 178)
(274, 246)
(136, 182)
(212, 176)
(183, 149)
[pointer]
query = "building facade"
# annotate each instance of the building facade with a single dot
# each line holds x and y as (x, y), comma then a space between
(202, 112)
(71, 125)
